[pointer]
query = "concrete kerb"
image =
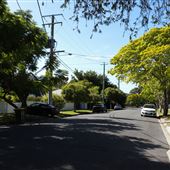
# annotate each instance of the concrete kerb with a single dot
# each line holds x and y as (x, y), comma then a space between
(166, 131)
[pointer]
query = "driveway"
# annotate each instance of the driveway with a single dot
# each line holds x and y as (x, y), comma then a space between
(120, 140)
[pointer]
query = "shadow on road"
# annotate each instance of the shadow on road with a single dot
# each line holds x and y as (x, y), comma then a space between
(149, 119)
(83, 144)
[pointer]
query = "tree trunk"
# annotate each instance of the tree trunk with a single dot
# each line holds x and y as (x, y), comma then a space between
(165, 104)
(23, 99)
(9, 102)
(24, 102)
(75, 106)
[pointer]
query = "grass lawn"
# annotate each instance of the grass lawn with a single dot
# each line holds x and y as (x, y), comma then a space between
(73, 113)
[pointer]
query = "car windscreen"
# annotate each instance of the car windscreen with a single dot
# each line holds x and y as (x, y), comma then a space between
(149, 106)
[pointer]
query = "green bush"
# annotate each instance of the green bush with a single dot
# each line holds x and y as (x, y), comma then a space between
(34, 98)
(58, 101)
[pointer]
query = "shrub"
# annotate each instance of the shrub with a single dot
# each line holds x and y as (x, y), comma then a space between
(34, 98)
(58, 101)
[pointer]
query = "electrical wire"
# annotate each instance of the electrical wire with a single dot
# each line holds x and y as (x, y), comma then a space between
(40, 70)
(19, 5)
(41, 15)
(84, 55)
(65, 65)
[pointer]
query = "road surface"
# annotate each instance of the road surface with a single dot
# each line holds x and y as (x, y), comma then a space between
(118, 140)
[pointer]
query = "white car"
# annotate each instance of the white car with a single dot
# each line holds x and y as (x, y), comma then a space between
(148, 110)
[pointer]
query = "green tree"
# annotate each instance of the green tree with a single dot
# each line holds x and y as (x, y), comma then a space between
(21, 46)
(59, 79)
(114, 95)
(76, 92)
(94, 96)
(135, 100)
(146, 60)
(132, 14)
(136, 90)
(152, 92)
(93, 77)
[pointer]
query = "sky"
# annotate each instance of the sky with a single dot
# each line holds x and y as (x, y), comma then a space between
(87, 53)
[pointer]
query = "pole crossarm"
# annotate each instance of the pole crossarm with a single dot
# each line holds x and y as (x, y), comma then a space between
(54, 23)
(53, 15)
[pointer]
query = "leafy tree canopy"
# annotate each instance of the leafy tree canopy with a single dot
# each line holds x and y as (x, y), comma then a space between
(135, 100)
(136, 90)
(77, 92)
(133, 14)
(3, 7)
(93, 77)
(115, 95)
(22, 44)
(59, 79)
(146, 59)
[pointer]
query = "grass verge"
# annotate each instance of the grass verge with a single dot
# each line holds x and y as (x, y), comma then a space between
(74, 113)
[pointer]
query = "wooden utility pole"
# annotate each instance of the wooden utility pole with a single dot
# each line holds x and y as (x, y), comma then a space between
(52, 45)
(103, 84)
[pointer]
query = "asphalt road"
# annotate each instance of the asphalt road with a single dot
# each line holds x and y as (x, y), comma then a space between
(118, 140)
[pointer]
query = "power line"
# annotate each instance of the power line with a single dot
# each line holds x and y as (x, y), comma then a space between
(40, 70)
(41, 15)
(19, 5)
(65, 65)
(83, 55)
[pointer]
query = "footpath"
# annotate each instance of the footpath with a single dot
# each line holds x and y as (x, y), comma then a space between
(165, 124)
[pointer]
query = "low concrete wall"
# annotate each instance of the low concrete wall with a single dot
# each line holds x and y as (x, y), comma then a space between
(3, 107)
(6, 108)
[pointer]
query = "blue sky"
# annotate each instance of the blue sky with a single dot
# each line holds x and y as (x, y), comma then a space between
(89, 54)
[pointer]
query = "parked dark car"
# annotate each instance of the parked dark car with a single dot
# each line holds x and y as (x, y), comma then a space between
(99, 108)
(42, 109)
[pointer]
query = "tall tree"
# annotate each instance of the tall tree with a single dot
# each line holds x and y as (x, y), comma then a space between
(114, 95)
(93, 77)
(22, 44)
(146, 60)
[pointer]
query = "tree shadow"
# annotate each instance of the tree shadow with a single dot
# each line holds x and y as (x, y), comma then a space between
(75, 144)
(150, 120)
